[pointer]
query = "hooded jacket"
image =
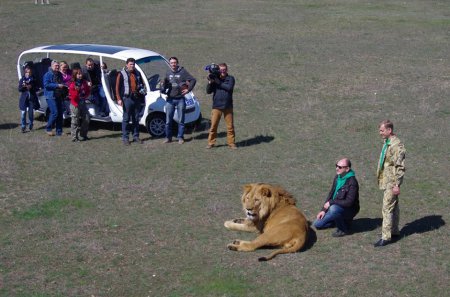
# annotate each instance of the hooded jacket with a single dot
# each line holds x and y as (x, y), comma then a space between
(176, 81)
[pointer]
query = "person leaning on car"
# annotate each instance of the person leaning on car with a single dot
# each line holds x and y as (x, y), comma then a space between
(54, 91)
(130, 93)
(92, 73)
(342, 203)
(222, 88)
(177, 83)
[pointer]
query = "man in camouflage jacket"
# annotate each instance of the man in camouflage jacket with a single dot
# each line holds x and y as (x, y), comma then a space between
(391, 168)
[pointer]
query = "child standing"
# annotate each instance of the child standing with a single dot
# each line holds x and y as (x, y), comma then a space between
(79, 91)
(28, 100)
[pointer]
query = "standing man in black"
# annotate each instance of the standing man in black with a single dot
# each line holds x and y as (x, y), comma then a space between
(221, 85)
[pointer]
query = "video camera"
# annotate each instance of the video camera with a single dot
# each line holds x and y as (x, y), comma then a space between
(214, 71)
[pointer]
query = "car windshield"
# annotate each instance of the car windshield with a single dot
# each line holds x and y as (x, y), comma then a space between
(154, 68)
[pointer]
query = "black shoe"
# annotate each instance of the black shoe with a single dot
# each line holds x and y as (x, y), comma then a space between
(85, 138)
(137, 140)
(338, 233)
(23, 130)
(381, 242)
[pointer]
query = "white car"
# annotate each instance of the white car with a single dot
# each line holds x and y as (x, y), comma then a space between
(151, 65)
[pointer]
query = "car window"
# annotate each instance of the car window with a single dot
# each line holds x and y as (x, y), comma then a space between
(154, 68)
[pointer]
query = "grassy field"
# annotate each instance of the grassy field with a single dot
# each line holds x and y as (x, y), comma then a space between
(314, 79)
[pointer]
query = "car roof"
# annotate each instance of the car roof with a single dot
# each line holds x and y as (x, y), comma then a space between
(112, 51)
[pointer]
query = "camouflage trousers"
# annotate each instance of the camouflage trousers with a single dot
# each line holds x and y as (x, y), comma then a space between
(80, 120)
(391, 215)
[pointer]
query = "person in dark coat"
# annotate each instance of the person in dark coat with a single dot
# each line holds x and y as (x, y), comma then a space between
(342, 202)
(221, 87)
(28, 100)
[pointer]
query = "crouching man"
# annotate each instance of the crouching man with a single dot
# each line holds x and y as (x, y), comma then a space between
(342, 203)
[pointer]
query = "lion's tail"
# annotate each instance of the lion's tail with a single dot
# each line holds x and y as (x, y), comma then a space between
(297, 244)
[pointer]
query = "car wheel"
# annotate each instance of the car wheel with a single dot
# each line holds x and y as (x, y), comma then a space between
(156, 124)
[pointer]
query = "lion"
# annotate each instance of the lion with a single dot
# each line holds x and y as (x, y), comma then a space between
(270, 211)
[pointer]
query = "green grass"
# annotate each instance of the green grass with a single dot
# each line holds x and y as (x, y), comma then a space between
(314, 79)
(50, 209)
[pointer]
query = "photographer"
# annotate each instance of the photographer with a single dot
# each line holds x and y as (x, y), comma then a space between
(28, 99)
(177, 83)
(55, 91)
(130, 94)
(221, 85)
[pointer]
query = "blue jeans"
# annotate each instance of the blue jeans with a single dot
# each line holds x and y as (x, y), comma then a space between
(131, 111)
(336, 216)
(56, 115)
(23, 116)
(99, 99)
(180, 105)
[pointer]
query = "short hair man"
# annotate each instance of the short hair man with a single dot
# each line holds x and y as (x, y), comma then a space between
(55, 91)
(222, 89)
(342, 202)
(93, 74)
(390, 172)
(177, 83)
(130, 94)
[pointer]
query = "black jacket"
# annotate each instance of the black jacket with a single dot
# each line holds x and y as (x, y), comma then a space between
(28, 96)
(347, 196)
(222, 90)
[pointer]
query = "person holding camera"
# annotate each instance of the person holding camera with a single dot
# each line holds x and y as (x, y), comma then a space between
(79, 91)
(28, 100)
(130, 94)
(221, 85)
(55, 91)
(177, 83)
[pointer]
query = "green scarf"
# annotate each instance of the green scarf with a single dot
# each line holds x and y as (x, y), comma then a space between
(383, 152)
(341, 181)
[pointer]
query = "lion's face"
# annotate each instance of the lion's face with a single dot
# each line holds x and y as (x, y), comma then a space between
(258, 200)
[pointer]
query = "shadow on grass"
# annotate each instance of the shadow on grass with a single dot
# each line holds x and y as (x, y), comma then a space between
(247, 142)
(255, 140)
(7, 126)
(422, 225)
(365, 224)
(312, 239)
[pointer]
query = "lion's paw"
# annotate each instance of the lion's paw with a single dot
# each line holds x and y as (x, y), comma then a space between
(232, 247)
(228, 224)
